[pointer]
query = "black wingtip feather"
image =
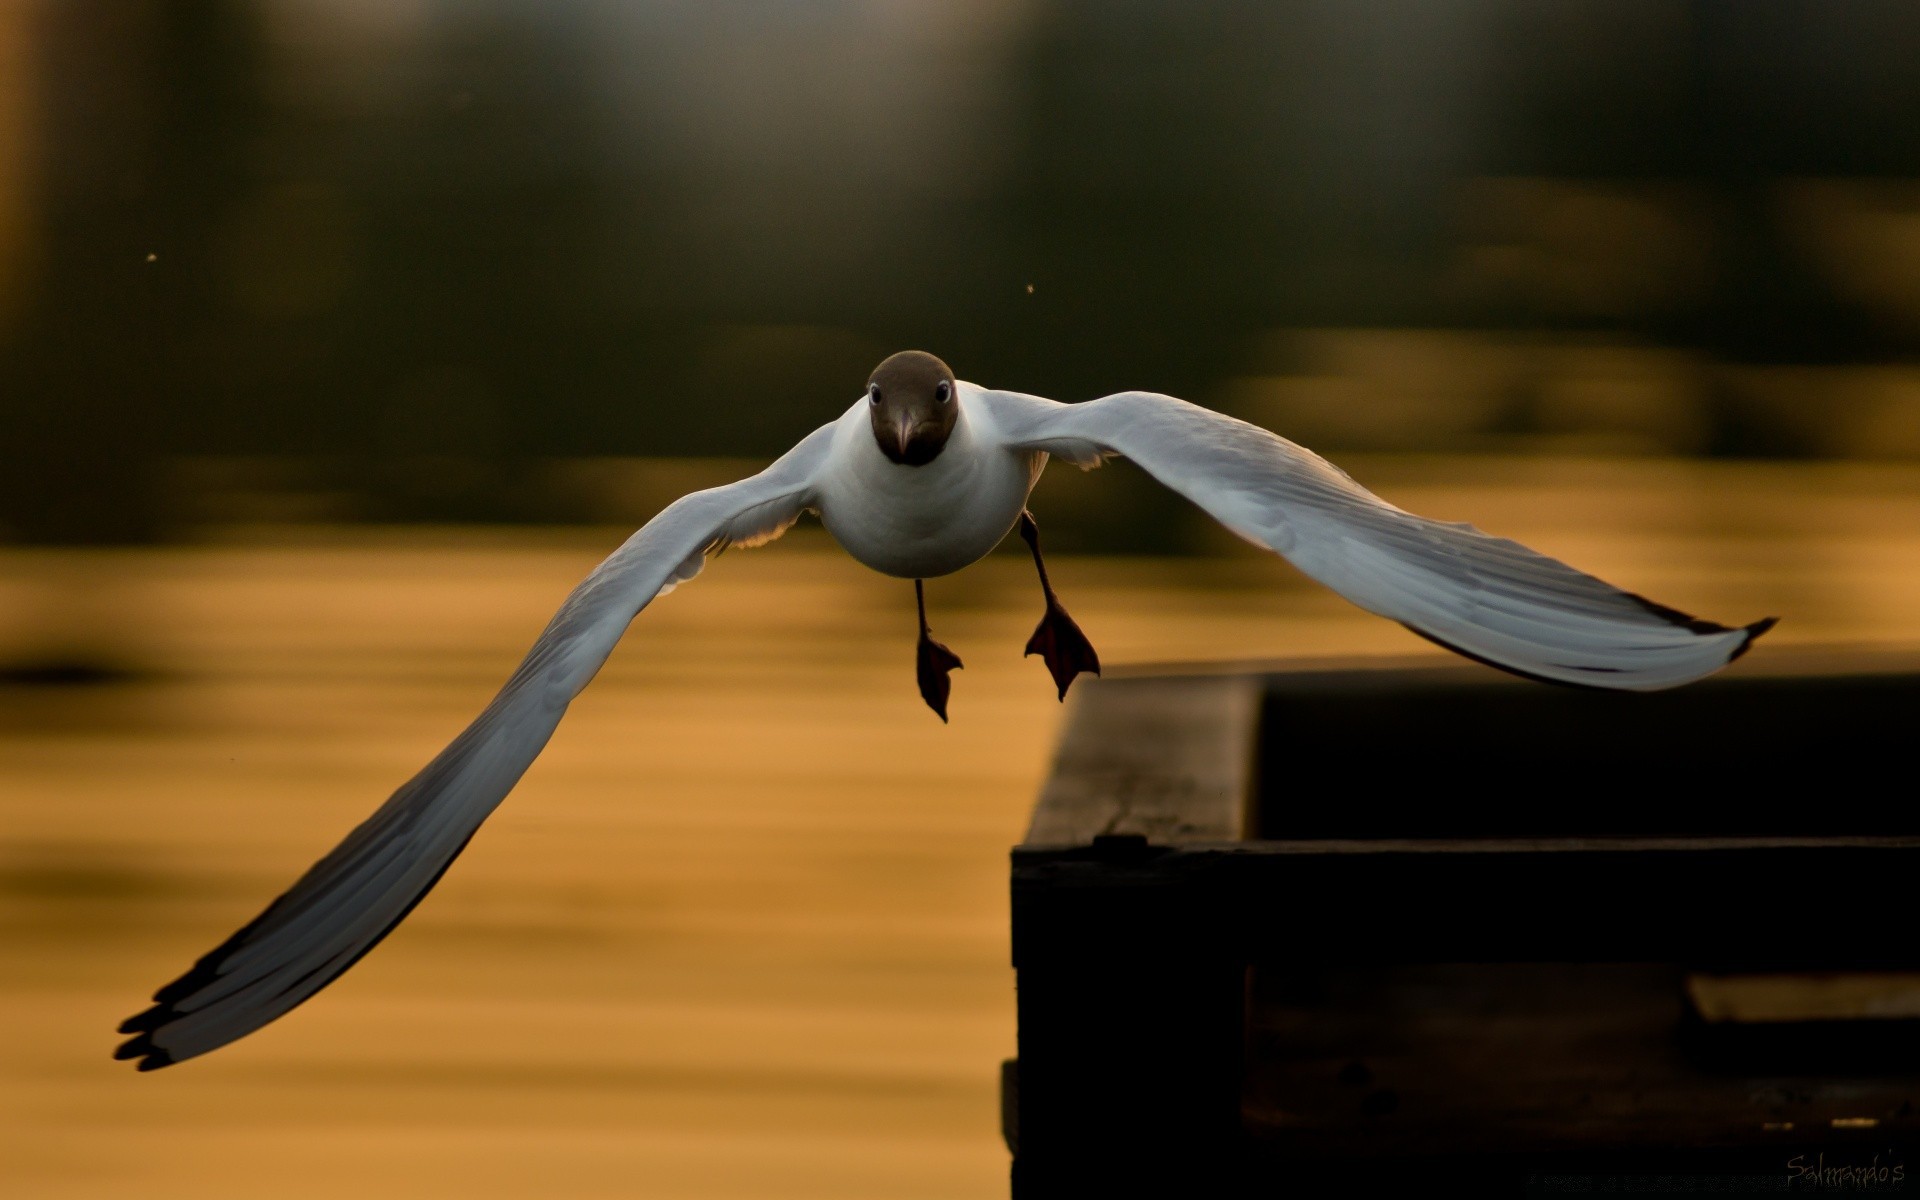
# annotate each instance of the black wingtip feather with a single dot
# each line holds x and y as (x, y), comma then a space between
(1704, 627)
(1753, 634)
(1694, 624)
(1674, 616)
(143, 1047)
(145, 1024)
(154, 1061)
(151, 1057)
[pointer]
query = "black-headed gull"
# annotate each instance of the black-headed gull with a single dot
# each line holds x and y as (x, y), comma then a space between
(921, 477)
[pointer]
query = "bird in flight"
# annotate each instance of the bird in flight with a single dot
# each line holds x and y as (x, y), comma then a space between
(922, 476)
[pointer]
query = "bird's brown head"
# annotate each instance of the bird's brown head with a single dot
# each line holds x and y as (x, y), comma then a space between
(913, 401)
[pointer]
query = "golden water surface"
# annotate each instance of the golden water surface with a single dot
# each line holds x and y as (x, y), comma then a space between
(742, 930)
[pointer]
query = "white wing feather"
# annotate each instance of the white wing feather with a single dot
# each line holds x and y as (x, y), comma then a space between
(351, 899)
(1486, 597)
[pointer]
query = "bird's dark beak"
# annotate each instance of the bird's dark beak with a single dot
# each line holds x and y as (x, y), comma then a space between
(905, 435)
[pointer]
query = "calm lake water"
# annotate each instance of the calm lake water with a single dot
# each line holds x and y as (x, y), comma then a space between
(742, 930)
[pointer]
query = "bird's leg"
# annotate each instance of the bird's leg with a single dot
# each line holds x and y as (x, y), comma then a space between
(932, 661)
(1058, 640)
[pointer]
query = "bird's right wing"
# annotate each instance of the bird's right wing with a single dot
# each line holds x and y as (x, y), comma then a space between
(1485, 597)
(352, 898)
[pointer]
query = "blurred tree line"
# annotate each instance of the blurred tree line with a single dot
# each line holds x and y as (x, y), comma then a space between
(404, 262)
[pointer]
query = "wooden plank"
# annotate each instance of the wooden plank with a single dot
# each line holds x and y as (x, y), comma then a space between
(1463, 753)
(1871, 996)
(1712, 903)
(1588, 1063)
(1169, 759)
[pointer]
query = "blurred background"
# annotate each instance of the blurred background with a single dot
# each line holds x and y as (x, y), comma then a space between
(338, 338)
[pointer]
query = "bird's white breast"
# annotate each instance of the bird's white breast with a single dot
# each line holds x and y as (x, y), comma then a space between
(931, 520)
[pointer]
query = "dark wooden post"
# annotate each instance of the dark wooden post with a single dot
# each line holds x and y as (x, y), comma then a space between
(1131, 1017)
(1131, 993)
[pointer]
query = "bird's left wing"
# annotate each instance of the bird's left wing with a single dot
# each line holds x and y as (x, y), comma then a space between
(352, 898)
(1485, 597)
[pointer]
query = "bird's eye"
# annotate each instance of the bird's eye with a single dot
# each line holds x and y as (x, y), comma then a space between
(943, 391)
(873, 393)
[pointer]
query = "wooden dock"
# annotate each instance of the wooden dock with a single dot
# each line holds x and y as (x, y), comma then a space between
(1418, 922)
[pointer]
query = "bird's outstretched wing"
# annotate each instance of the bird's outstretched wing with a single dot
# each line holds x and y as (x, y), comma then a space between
(1485, 597)
(349, 900)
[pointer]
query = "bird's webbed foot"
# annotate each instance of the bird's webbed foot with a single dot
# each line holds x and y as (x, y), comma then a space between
(1057, 640)
(1061, 645)
(932, 663)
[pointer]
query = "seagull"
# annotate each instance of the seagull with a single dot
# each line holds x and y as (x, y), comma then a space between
(922, 476)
